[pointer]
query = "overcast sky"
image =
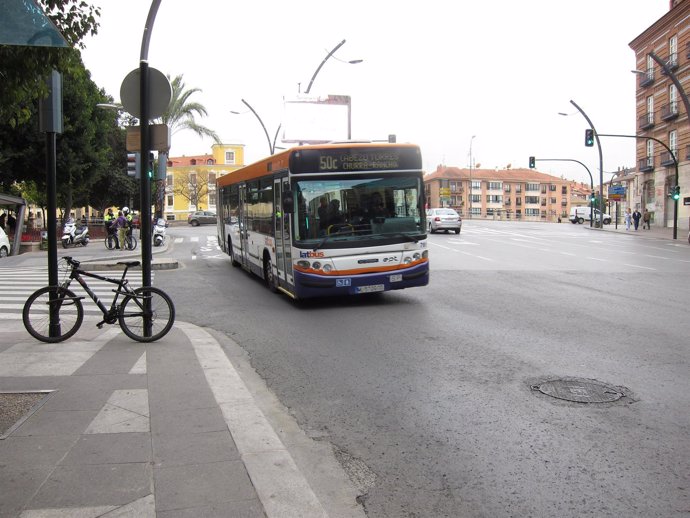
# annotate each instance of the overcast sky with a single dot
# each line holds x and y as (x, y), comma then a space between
(434, 73)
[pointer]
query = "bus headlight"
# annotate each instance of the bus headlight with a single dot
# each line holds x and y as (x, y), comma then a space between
(327, 267)
(425, 254)
(407, 260)
(416, 256)
(316, 265)
(303, 264)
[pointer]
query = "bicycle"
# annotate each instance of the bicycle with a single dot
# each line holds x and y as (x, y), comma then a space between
(54, 313)
(111, 242)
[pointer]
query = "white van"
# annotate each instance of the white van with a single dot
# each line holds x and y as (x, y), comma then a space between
(582, 214)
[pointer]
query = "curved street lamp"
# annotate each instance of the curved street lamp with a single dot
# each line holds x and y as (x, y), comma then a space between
(318, 69)
(271, 145)
(601, 162)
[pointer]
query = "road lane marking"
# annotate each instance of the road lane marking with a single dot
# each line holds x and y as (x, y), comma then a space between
(638, 266)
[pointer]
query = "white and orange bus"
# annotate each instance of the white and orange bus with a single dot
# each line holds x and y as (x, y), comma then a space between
(328, 220)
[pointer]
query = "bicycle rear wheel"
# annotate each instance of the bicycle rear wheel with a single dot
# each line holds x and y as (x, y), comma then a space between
(68, 310)
(131, 242)
(162, 313)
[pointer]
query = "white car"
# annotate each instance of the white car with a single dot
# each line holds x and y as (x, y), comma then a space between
(443, 219)
(4, 244)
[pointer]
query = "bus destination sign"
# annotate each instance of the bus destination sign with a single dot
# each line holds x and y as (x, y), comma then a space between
(350, 160)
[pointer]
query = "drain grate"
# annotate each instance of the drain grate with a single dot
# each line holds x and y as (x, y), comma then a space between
(580, 390)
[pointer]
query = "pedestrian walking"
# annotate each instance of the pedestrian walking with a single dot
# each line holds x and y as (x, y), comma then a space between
(628, 218)
(636, 216)
(646, 219)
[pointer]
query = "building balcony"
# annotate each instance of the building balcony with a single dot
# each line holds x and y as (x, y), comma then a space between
(647, 78)
(646, 121)
(666, 159)
(646, 164)
(669, 111)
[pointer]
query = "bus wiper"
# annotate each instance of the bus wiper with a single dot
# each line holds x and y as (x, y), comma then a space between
(323, 242)
(414, 239)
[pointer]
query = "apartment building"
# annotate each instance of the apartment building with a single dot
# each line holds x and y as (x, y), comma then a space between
(662, 114)
(499, 194)
(190, 183)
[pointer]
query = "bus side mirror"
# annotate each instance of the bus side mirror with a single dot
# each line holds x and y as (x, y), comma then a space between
(288, 202)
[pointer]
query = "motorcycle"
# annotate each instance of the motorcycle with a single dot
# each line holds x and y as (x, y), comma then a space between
(73, 236)
(159, 232)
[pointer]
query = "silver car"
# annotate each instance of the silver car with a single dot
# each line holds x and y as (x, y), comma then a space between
(202, 217)
(443, 219)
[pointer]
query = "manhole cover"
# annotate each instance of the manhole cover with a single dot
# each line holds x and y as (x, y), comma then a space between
(579, 391)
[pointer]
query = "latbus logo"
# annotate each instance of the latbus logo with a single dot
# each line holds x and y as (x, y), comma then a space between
(312, 254)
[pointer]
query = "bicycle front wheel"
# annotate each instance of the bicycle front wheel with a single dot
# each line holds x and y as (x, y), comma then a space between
(161, 312)
(68, 314)
(110, 242)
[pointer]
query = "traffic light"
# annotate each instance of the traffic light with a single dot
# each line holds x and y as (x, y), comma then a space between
(532, 162)
(150, 166)
(592, 197)
(589, 137)
(134, 165)
(675, 193)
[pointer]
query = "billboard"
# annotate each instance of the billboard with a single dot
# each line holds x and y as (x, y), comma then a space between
(317, 120)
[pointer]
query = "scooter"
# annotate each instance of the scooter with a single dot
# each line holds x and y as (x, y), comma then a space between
(73, 236)
(159, 232)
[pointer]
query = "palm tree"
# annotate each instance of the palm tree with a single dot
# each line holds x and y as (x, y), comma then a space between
(178, 117)
(181, 113)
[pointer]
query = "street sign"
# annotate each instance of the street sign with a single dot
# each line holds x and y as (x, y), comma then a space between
(160, 93)
(158, 133)
(617, 189)
(444, 191)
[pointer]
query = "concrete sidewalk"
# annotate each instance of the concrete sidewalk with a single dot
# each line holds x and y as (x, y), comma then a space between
(654, 232)
(167, 429)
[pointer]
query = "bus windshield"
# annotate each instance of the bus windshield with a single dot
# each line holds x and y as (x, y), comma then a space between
(361, 208)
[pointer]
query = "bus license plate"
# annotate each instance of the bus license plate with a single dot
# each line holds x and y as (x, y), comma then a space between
(396, 277)
(370, 289)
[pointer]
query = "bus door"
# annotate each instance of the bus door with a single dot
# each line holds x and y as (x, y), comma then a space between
(283, 240)
(242, 217)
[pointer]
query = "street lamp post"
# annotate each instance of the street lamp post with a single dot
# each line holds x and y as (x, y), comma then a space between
(469, 194)
(601, 164)
(271, 145)
(318, 69)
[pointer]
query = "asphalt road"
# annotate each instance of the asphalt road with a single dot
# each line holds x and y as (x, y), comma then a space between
(426, 394)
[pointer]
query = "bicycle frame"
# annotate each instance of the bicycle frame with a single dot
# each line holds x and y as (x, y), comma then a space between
(122, 289)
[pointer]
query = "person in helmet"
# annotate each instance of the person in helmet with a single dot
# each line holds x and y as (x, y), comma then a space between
(128, 217)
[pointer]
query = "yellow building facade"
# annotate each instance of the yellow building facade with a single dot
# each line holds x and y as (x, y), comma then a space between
(190, 183)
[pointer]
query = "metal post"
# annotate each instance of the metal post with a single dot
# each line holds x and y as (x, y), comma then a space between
(601, 166)
(469, 196)
(145, 182)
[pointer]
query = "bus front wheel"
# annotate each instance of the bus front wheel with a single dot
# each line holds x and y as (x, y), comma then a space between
(268, 272)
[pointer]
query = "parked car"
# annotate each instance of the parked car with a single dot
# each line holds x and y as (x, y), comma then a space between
(443, 219)
(4, 244)
(202, 217)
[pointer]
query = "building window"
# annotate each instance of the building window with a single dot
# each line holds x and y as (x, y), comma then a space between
(552, 187)
(476, 198)
(564, 190)
(650, 148)
(506, 187)
(169, 180)
(494, 198)
(495, 186)
(229, 157)
(553, 200)
(673, 141)
(476, 184)
(532, 187)
(532, 199)
(212, 198)
(476, 211)
(532, 212)
(673, 51)
(169, 200)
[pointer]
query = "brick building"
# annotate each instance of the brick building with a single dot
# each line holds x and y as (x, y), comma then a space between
(499, 194)
(662, 114)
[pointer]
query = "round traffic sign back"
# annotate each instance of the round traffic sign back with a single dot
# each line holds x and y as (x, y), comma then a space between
(160, 93)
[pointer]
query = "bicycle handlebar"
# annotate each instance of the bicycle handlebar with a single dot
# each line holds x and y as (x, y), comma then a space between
(71, 261)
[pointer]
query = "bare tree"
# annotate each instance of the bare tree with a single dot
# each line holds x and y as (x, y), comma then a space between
(194, 187)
